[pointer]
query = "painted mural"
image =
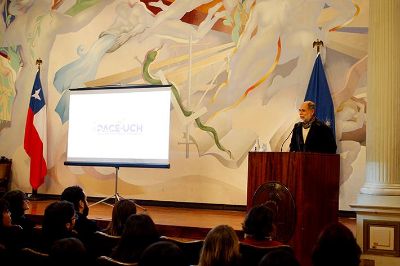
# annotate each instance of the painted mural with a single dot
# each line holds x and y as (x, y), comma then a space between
(239, 70)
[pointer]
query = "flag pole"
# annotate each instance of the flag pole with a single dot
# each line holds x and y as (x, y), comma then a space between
(34, 195)
(318, 90)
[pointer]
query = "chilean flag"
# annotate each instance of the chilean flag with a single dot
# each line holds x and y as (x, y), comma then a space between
(35, 142)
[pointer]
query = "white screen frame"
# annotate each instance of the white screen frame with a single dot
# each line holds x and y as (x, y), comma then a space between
(119, 126)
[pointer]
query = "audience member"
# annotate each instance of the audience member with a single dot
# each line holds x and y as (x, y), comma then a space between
(221, 247)
(67, 252)
(121, 211)
(18, 204)
(163, 253)
(258, 227)
(11, 236)
(336, 245)
(279, 257)
(84, 226)
(140, 232)
(58, 222)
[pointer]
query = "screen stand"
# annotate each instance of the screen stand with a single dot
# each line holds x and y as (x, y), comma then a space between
(116, 195)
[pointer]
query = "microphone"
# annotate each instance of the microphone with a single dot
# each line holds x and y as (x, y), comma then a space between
(283, 143)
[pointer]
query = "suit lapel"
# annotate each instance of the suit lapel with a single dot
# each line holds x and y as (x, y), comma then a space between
(310, 134)
(301, 139)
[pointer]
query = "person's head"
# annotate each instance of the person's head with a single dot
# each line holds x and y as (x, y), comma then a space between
(76, 196)
(67, 251)
(121, 211)
(18, 202)
(162, 253)
(307, 111)
(336, 245)
(59, 219)
(5, 214)
(221, 247)
(258, 222)
(280, 257)
(139, 228)
(139, 232)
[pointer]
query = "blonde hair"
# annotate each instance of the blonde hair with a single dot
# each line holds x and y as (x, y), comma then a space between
(221, 247)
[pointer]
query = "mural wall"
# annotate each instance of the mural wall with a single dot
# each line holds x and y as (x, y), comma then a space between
(239, 68)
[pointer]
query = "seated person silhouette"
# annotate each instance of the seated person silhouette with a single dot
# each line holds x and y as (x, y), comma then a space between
(279, 257)
(68, 251)
(58, 222)
(336, 245)
(163, 253)
(140, 232)
(11, 236)
(18, 205)
(221, 247)
(258, 227)
(120, 213)
(84, 226)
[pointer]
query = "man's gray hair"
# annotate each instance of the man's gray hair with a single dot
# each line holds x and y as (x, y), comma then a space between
(311, 105)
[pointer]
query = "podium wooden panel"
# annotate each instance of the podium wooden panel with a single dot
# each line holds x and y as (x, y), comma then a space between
(312, 179)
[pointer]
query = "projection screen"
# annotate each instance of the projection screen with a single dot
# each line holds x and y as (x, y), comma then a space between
(119, 126)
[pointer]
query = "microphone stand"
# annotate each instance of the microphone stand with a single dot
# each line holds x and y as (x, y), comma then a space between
(283, 143)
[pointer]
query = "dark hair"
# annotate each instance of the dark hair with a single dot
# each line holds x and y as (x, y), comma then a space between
(15, 200)
(139, 232)
(3, 208)
(336, 245)
(258, 222)
(73, 194)
(68, 251)
(163, 253)
(56, 216)
(280, 257)
(120, 213)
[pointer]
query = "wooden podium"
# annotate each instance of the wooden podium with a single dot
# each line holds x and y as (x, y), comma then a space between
(312, 179)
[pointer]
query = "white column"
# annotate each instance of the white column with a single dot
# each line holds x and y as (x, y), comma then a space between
(379, 201)
(383, 109)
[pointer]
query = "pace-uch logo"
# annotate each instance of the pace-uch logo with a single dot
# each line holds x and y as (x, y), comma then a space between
(119, 128)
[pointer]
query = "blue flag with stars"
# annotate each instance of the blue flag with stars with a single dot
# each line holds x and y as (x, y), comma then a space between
(318, 92)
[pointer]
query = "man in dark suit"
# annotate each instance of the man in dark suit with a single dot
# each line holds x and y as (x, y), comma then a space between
(312, 135)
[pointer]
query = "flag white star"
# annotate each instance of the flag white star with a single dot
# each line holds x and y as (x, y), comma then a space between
(36, 95)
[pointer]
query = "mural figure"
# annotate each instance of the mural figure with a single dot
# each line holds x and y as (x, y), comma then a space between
(133, 19)
(7, 88)
(34, 30)
(269, 21)
(271, 38)
(232, 89)
(351, 117)
(7, 17)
